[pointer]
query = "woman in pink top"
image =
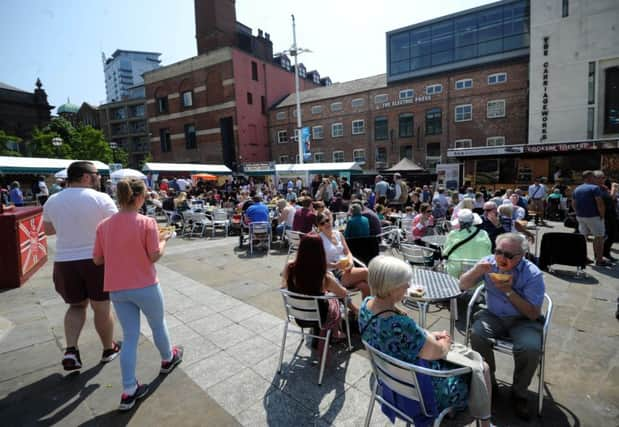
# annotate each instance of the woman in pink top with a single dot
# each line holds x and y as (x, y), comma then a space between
(129, 244)
(421, 222)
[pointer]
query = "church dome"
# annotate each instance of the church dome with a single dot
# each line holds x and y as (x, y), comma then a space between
(68, 108)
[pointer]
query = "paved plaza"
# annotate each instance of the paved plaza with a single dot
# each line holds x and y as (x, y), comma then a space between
(224, 307)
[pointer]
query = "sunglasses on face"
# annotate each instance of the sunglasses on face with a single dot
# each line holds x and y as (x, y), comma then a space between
(326, 221)
(505, 254)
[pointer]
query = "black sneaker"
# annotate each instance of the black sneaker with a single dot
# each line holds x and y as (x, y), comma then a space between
(128, 401)
(110, 354)
(71, 360)
(177, 357)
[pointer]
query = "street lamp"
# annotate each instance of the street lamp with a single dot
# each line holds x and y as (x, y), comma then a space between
(113, 146)
(57, 143)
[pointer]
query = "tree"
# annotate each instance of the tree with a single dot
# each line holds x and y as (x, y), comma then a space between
(6, 141)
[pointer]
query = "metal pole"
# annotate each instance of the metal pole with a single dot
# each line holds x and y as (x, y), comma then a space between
(294, 52)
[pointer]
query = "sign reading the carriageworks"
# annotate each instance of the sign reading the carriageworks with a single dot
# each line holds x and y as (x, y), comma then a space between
(397, 103)
(545, 73)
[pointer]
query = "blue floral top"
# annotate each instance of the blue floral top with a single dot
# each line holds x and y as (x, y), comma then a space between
(400, 337)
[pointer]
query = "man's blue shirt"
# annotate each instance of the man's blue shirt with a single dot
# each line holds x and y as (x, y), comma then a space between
(258, 212)
(584, 195)
(528, 283)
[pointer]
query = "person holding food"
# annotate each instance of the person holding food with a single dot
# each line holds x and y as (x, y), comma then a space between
(514, 297)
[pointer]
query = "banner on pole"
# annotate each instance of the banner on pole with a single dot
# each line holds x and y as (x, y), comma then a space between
(306, 141)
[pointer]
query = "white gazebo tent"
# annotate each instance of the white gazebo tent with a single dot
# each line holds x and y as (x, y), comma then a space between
(40, 165)
(185, 168)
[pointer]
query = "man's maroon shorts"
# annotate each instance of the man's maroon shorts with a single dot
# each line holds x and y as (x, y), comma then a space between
(79, 280)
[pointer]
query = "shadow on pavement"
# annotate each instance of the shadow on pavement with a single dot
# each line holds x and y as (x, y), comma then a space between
(49, 400)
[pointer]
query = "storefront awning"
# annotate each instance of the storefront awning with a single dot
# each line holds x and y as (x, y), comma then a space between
(294, 168)
(188, 168)
(39, 165)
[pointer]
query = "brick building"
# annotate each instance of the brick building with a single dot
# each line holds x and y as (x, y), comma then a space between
(430, 101)
(212, 108)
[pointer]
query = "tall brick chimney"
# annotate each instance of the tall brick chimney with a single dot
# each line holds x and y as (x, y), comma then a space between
(215, 24)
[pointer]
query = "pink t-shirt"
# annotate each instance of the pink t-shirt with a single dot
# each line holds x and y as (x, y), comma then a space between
(125, 241)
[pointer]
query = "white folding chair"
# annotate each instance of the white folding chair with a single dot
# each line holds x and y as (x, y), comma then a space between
(505, 346)
(220, 219)
(304, 310)
(294, 240)
(259, 231)
(401, 377)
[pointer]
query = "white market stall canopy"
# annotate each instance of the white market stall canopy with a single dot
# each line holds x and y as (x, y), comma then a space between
(188, 168)
(296, 168)
(40, 165)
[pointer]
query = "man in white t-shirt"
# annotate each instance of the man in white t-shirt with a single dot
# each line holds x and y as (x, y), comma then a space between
(183, 184)
(73, 215)
(43, 193)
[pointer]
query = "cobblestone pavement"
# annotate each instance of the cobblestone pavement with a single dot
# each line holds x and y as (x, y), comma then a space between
(224, 307)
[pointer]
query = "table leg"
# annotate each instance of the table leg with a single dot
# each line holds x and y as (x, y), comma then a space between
(453, 316)
(423, 310)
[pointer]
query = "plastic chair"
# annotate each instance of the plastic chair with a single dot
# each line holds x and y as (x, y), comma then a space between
(294, 240)
(505, 346)
(259, 231)
(304, 310)
(220, 219)
(409, 381)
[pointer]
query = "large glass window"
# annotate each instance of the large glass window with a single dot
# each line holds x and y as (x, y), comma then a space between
(434, 121)
(464, 113)
(337, 130)
(338, 156)
(489, 31)
(358, 127)
(318, 132)
(611, 111)
(190, 137)
(381, 154)
(591, 84)
(166, 140)
(381, 128)
(406, 125)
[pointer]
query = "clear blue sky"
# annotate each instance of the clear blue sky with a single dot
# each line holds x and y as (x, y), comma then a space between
(61, 41)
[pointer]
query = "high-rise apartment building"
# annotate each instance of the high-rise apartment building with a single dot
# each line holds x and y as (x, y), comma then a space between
(124, 69)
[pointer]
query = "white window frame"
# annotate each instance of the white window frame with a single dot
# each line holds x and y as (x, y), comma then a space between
(497, 78)
(434, 89)
(318, 132)
(359, 101)
(281, 115)
(381, 98)
(341, 126)
(316, 109)
(358, 132)
(495, 115)
(406, 94)
(319, 157)
(495, 141)
(463, 143)
(338, 152)
(283, 158)
(465, 83)
(339, 106)
(280, 139)
(190, 103)
(356, 152)
(456, 113)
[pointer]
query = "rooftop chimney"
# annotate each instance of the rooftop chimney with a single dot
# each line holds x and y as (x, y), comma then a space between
(215, 24)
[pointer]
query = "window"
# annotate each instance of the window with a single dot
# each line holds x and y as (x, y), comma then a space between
(318, 132)
(336, 106)
(407, 94)
(165, 140)
(464, 84)
(495, 79)
(357, 102)
(463, 143)
(254, 71)
(187, 99)
(406, 125)
(358, 156)
(358, 127)
(433, 155)
(464, 113)
(591, 84)
(406, 151)
(250, 98)
(381, 154)
(281, 115)
(282, 136)
(381, 128)
(493, 141)
(162, 104)
(337, 130)
(434, 119)
(495, 109)
(381, 98)
(319, 157)
(283, 158)
(611, 100)
(434, 89)
(565, 8)
(316, 109)
(338, 156)
(190, 137)
(590, 120)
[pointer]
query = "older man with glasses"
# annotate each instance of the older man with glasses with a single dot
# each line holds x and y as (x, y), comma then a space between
(491, 223)
(514, 296)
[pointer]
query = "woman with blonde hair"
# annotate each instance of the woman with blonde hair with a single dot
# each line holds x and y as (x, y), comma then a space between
(129, 244)
(392, 332)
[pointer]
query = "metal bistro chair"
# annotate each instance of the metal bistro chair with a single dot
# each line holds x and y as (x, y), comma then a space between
(294, 240)
(406, 224)
(407, 380)
(220, 219)
(417, 256)
(259, 231)
(505, 346)
(305, 311)
(202, 221)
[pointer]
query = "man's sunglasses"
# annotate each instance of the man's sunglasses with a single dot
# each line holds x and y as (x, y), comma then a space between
(505, 254)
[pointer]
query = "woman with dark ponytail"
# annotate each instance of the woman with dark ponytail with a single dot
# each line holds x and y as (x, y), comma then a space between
(129, 244)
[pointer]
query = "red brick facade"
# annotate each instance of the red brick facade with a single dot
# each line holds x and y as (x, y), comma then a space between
(512, 126)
